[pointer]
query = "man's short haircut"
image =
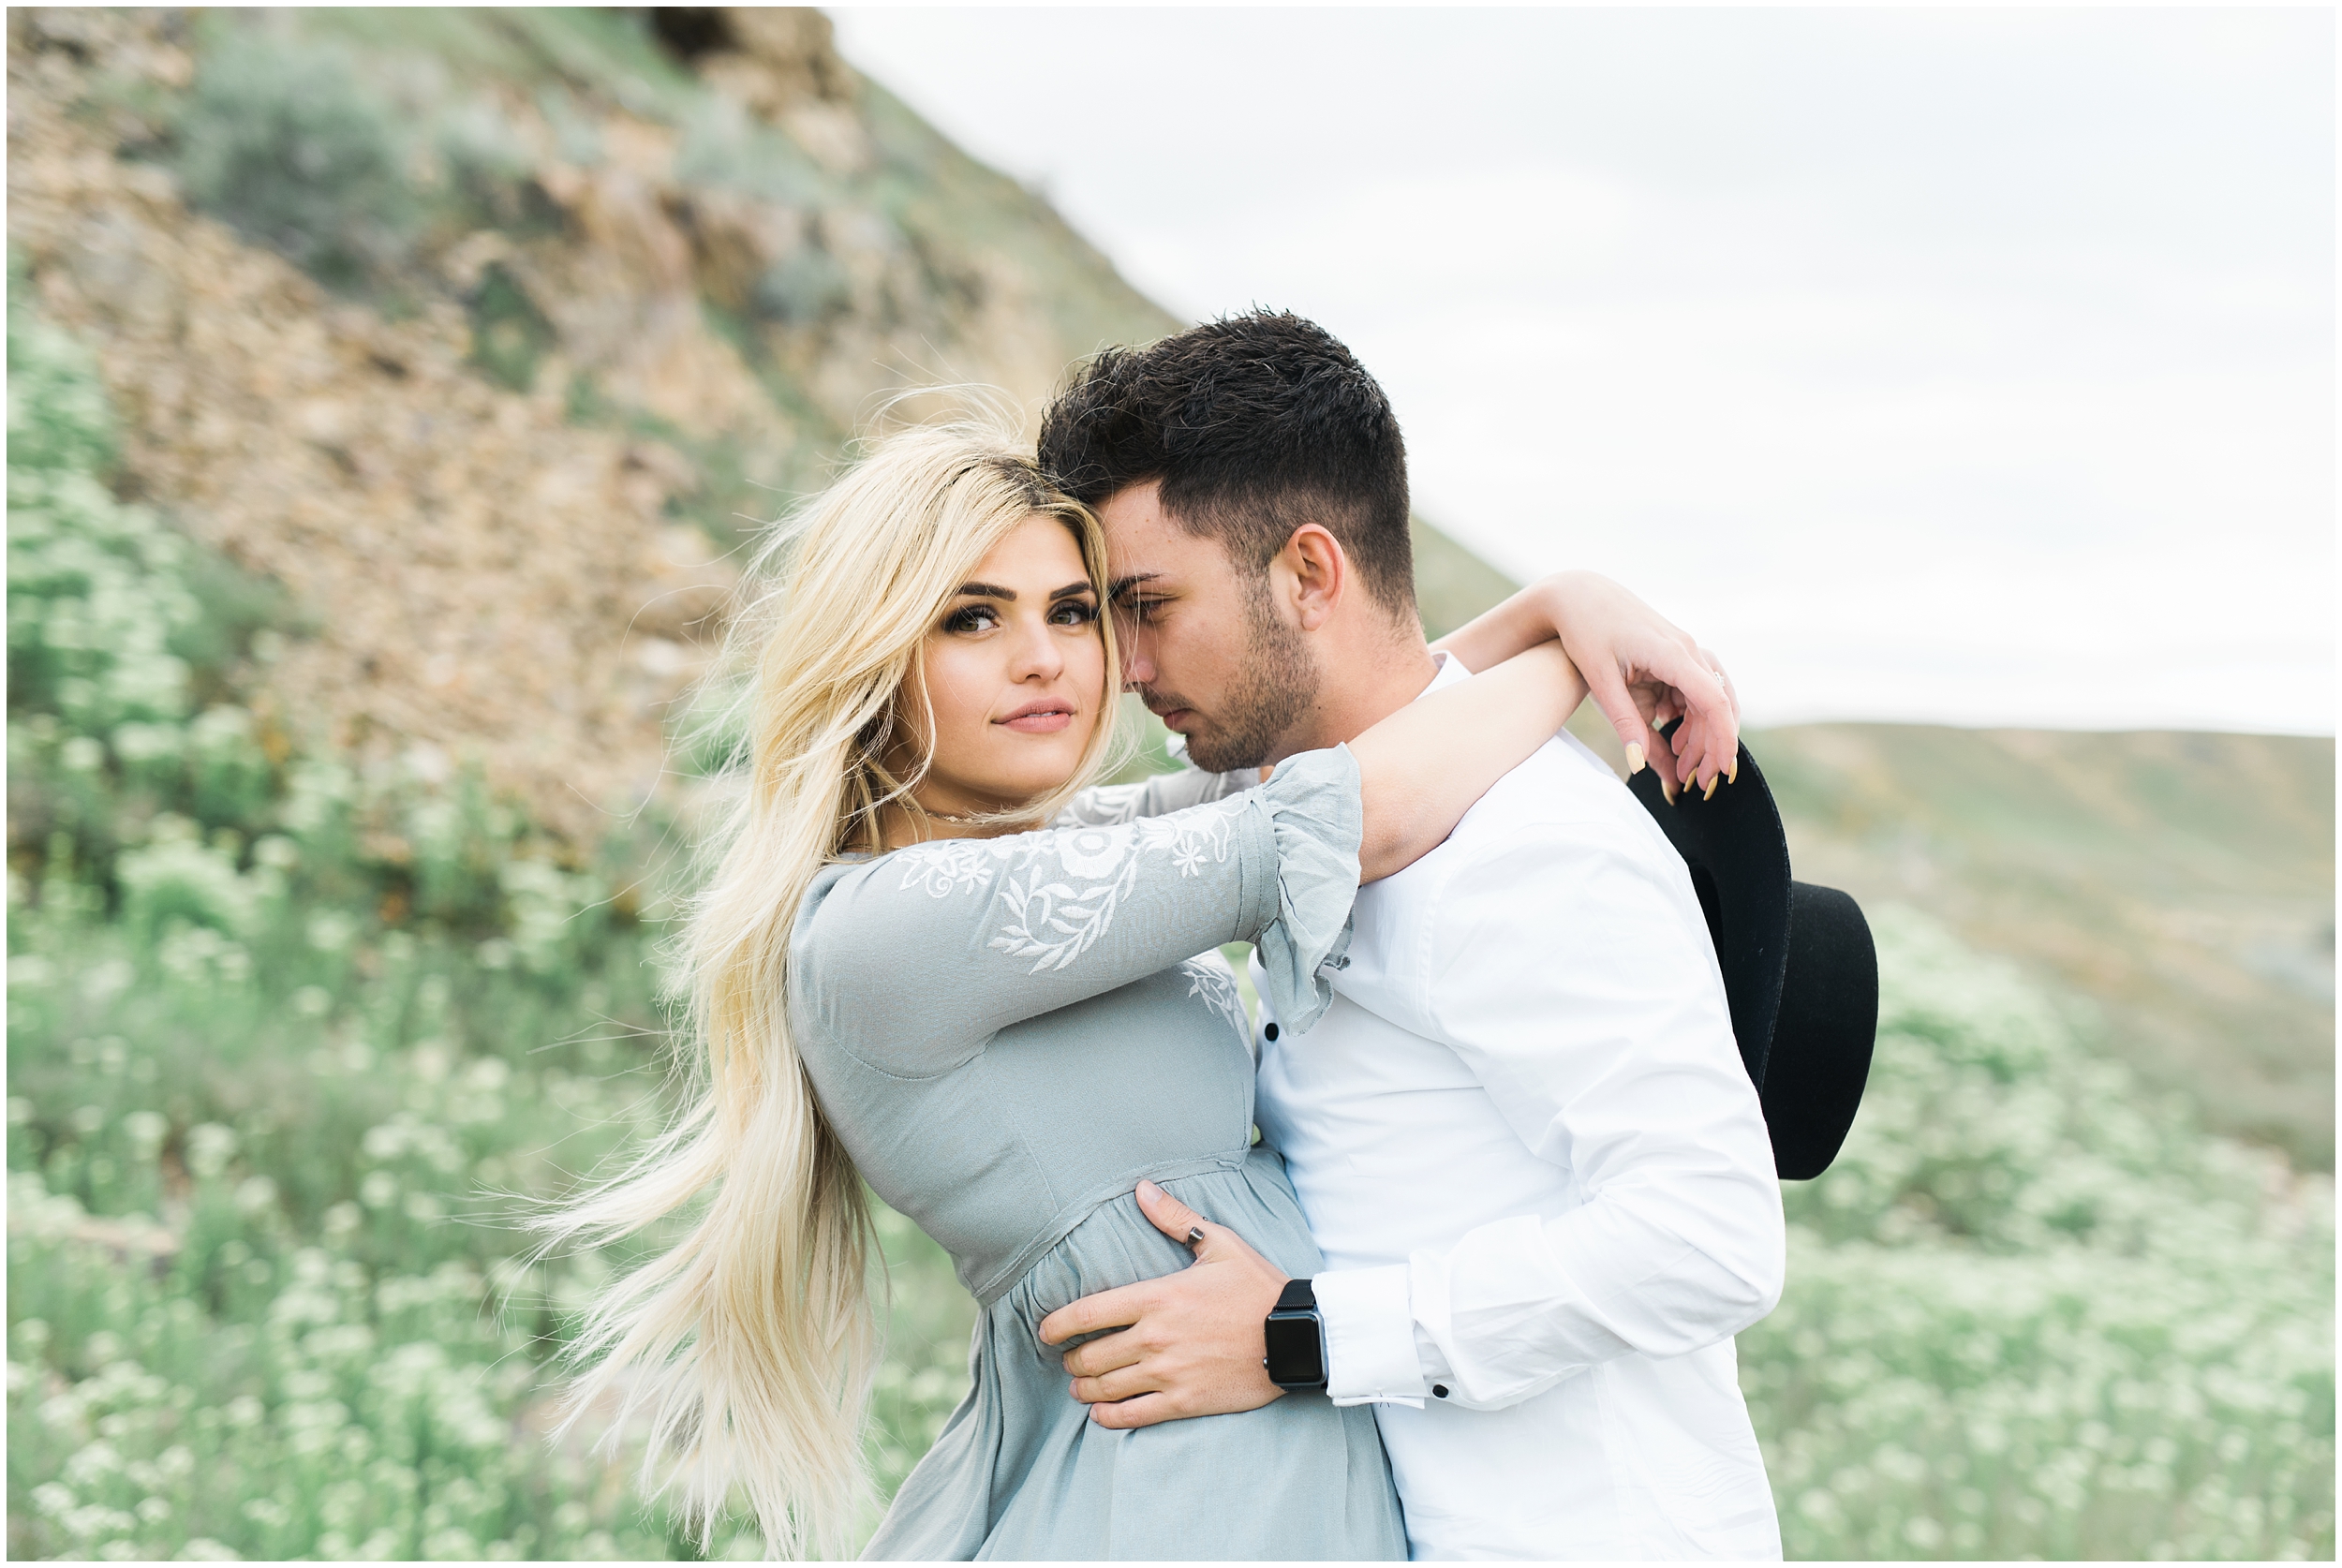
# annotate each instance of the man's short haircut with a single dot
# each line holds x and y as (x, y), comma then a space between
(1256, 424)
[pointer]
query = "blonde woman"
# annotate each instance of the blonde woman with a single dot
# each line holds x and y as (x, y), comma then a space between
(896, 976)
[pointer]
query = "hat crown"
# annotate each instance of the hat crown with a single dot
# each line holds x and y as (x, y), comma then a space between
(1801, 972)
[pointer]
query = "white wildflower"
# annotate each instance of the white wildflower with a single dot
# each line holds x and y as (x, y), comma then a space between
(210, 1146)
(330, 930)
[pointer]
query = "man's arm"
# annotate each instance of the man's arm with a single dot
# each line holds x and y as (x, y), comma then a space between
(1610, 1053)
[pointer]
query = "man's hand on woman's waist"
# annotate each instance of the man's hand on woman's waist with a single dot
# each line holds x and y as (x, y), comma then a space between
(1190, 1343)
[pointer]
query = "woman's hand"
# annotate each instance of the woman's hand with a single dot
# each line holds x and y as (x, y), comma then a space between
(1641, 670)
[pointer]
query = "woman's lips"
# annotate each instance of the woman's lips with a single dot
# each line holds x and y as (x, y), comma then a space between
(1047, 722)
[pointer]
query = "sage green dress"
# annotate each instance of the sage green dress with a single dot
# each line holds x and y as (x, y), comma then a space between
(1009, 1034)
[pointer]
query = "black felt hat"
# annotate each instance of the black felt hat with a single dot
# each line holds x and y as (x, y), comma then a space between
(1799, 969)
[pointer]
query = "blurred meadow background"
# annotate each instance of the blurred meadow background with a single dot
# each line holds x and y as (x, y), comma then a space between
(388, 393)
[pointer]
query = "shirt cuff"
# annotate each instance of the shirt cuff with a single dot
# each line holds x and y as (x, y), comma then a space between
(1370, 1336)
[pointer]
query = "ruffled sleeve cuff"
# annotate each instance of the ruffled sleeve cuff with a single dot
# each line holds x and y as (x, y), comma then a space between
(1311, 803)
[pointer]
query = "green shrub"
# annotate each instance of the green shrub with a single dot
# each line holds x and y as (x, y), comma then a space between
(96, 588)
(509, 334)
(726, 147)
(285, 139)
(805, 288)
(489, 170)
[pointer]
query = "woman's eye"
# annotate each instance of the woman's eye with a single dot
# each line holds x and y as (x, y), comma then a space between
(1074, 612)
(972, 617)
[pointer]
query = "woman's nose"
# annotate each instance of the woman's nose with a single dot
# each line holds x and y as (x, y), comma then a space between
(1037, 655)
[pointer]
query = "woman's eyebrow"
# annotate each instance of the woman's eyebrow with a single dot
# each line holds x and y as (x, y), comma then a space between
(985, 590)
(1071, 589)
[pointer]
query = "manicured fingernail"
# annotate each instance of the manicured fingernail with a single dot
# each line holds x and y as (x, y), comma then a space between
(1709, 793)
(1634, 759)
(1732, 774)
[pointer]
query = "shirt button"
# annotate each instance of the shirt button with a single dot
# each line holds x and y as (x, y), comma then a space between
(1270, 1031)
(1439, 1391)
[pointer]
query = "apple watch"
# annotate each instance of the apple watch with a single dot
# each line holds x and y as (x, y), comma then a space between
(1296, 1338)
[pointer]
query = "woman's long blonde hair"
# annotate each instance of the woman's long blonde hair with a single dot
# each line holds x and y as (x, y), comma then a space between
(751, 1342)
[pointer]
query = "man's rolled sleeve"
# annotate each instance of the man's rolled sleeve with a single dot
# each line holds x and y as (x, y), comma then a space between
(1371, 1355)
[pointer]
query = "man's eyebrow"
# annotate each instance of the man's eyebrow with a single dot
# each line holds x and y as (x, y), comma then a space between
(1123, 584)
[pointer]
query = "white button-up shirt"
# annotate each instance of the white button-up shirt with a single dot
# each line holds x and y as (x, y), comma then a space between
(1539, 1175)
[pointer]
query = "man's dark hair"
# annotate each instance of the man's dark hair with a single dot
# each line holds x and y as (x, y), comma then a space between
(1254, 424)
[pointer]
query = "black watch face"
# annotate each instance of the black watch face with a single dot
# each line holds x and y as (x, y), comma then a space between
(1294, 1354)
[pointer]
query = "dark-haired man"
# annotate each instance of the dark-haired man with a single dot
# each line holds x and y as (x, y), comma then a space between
(1522, 1132)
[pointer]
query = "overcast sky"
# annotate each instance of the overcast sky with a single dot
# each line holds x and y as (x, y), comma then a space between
(1971, 366)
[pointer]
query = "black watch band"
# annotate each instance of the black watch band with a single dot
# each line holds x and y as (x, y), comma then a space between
(1295, 1336)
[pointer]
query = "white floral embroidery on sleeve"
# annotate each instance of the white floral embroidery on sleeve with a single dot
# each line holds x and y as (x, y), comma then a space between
(1054, 922)
(1113, 805)
(1217, 986)
(950, 865)
(1106, 806)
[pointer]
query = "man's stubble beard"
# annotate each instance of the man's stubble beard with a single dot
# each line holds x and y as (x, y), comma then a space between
(1277, 686)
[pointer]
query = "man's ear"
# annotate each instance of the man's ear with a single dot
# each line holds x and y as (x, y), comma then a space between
(1318, 571)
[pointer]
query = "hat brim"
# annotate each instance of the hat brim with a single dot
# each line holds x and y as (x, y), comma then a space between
(1823, 1034)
